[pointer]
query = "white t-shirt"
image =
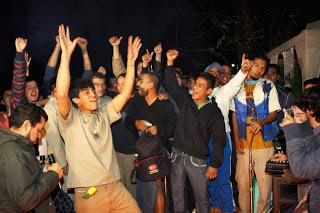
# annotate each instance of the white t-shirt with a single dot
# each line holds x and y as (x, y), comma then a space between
(89, 148)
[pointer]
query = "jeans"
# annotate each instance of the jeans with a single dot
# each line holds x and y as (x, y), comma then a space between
(146, 193)
(184, 165)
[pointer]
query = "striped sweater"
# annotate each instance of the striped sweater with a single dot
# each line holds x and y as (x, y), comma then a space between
(19, 81)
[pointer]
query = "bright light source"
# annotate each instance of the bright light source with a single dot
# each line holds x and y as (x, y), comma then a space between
(233, 65)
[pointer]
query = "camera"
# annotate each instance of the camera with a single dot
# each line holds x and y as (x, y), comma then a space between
(290, 112)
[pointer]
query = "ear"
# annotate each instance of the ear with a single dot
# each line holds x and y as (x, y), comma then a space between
(26, 126)
(150, 85)
(76, 101)
(209, 91)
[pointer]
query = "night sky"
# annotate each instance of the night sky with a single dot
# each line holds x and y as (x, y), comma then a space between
(177, 24)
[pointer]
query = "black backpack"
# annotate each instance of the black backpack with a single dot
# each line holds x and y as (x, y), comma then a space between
(153, 162)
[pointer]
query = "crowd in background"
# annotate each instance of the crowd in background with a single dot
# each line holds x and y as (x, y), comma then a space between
(210, 123)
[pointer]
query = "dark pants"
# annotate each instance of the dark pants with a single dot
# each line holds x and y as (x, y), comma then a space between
(184, 165)
(146, 194)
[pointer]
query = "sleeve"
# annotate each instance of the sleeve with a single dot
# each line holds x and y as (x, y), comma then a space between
(24, 192)
(118, 66)
(274, 104)
(218, 135)
(232, 105)
(179, 95)
(111, 112)
(19, 81)
(232, 87)
(170, 120)
(63, 124)
(50, 73)
(303, 149)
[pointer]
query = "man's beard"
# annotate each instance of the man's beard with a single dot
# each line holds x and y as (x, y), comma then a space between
(142, 92)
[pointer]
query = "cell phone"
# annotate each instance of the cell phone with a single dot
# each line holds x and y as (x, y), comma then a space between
(290, 111)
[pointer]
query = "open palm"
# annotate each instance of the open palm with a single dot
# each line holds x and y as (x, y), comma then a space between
(67, 46)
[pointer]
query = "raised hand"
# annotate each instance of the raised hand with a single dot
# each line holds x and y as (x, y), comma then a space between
(82, 42)
(102, 70)
(21, 44)
(172, 54)
(67, 46)
(147, 57)
(246, 64)
(158, 49)
(115, 41)
(133, 49)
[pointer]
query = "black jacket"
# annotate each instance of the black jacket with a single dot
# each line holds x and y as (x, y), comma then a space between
(23, 185)
(195, 127)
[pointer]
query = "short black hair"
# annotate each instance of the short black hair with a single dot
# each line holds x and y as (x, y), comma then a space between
(30, 78)
(209, 78)
(276, 67)
(315, 81)
(98, 75)
(154, 79)
(78, 85)
(28, 111)
(310, 100)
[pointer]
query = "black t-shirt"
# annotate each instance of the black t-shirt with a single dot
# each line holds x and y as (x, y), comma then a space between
(123, 136)
(160, 113)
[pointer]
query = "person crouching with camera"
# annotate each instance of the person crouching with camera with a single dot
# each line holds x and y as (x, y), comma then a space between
(23, 185)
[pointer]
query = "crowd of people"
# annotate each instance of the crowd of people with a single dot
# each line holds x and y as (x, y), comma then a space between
(213, 125)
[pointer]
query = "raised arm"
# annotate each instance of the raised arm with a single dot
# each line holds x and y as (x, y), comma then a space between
(146, 58)
(28, 61)
(121, 99)
(233, 86)
(175, 91)
(83, 44)
(52, 62)
(51, 69)
(157, 64)
(19, 74)
(63, 77)
(117, 62)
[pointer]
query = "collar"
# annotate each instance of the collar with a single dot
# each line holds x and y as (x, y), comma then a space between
(202, 104)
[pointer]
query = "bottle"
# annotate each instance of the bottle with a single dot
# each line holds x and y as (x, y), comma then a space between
(135, 162)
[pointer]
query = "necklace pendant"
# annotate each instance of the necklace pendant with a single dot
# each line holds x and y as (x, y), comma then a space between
(96, 135)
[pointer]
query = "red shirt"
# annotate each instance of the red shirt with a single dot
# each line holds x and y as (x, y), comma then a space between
(4, 120)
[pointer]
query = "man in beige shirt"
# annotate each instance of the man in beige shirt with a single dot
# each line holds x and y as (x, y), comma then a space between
(87, 135)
